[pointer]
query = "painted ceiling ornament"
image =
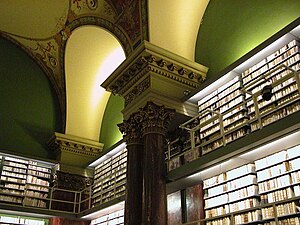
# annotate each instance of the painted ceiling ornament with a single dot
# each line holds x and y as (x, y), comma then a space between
(45, 50)
(52, 61)
(65, 33)
(92, 4)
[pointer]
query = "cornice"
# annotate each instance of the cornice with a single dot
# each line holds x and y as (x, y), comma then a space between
(63, 142)
(149, 58)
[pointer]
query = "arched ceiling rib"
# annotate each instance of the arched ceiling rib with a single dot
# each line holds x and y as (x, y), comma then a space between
(174, 25)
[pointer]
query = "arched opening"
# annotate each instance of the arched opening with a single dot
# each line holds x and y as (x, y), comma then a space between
(92, 54)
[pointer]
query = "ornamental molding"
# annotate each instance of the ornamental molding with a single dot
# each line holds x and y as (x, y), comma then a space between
(72, 182)
(137, 91)
(130, 129)
(151, 59)
(154, 118)
(69, 143)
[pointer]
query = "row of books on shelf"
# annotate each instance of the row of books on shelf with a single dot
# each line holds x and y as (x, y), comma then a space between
(39, 173)
(248, 217)
(278, 75)
(222, 221)
(6, 219)
(270, 196)
(14, 169)
(281, 210)
(278, 195)
(14, 175)
(287, 93)
(278, 157)
(111, 218)
(39, 168)
(109, 195)
(110, 170)
(220, 92)
(283, 59)
(209, 145)
(279, 182)
(272, 165)
(222, 98)
(35, 202)
(35, 180)
(277, 115)
(289, 221)
(115, 159)
(31, 163)
(293, 48)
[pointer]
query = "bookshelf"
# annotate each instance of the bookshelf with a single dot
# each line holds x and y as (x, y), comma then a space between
(24, 181)
(115, 218)
(21, 220)
(221, 101)
(265, 191)
(232, 192)
(279, 185)
(286, 91)
(110, 178)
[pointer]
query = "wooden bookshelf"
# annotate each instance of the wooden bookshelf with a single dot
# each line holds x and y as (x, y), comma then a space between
(110, 178)
(116, 218)
(24, 181)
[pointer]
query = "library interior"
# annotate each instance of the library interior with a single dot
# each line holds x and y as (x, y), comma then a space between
(147, 112)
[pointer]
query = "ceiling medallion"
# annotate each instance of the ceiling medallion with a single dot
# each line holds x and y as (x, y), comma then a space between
(92, 4)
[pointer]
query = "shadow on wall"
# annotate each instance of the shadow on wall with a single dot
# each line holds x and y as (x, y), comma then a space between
(40, 135)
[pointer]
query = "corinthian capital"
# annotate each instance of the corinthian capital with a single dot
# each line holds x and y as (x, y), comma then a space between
(130, 130)
(154, 118)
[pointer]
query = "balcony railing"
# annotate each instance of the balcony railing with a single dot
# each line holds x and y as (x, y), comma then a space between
(66, 201)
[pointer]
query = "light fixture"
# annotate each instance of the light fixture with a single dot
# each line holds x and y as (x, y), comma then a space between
(267, 92)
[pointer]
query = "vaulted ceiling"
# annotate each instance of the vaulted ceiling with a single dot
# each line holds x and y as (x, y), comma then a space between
(78, 43)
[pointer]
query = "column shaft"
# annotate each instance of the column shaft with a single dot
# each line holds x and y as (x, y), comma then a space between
(155, 208)
(134, 185)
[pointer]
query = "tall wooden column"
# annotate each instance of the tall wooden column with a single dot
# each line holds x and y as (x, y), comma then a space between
(154, 120)
(151, 80)
(134, 173)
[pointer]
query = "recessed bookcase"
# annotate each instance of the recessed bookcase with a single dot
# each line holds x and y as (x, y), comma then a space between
(219, 103)
(115, 218)
(110, 178)
(266, 191)
(24, 181)
(269, 71)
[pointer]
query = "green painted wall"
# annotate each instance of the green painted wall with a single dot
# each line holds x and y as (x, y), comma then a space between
(231, 28)
(29, 111)
(110, 133)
